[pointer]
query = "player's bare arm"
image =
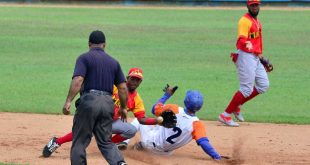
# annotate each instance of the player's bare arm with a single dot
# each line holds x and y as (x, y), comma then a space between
(123, 97)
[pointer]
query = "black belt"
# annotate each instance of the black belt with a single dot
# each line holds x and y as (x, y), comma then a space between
(97, 92)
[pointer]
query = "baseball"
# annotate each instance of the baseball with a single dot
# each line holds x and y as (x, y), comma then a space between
(160, 119)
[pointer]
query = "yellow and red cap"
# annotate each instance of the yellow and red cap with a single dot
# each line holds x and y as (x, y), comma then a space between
(250, 2)
(136, 72)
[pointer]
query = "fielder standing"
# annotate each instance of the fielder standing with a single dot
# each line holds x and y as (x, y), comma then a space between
(252, 74)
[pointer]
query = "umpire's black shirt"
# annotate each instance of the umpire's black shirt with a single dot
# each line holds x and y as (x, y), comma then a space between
(97, 67)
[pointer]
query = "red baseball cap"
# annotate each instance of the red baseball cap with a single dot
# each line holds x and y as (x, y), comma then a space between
(250, 2)
(136, 72)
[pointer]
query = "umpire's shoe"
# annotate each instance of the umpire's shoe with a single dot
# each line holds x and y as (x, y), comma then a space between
(50, 147)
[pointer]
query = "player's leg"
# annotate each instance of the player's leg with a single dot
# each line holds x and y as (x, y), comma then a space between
(123, 145)
(149, 133)
(122, 131)
(64, 139)
(247, 82)
(261, 79)
(54, 143)
(246, 65)
(238, 113)
(262, 84)
(146, 134)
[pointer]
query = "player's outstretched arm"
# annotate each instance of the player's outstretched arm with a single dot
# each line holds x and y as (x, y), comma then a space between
(200, 135)
(207, 148)
(139, 113)
(169, 91)
(150, 120)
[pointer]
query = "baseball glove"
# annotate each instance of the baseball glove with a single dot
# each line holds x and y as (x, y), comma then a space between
(170, 120)
(169, 89)
(234, 57)
(267, 64)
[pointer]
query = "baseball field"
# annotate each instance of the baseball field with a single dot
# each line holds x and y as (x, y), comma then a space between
(184, 46)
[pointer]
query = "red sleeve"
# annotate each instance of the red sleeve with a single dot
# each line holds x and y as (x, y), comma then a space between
(140, 114)
(241, 43)
(145, 120)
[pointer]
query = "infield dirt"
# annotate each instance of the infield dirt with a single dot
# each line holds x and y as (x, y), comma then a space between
(23, 137)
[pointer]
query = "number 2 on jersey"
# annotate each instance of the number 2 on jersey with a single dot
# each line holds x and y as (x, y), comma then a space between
(177, 134)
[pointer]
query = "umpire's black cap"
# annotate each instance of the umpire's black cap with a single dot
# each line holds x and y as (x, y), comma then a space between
(97, 37)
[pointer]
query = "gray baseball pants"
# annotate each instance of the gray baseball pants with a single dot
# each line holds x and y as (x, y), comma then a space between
(125, 129)
(94, 116)
(251, 72)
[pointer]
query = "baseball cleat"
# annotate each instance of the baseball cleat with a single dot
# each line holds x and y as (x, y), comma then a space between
(122, 146)
(239, 116)
(228, 121)
(138, 146)
(50, 147)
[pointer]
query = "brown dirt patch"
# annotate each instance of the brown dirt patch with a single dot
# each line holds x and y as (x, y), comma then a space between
(23, 137)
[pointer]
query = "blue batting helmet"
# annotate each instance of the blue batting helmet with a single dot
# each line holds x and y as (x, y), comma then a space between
(193, 100)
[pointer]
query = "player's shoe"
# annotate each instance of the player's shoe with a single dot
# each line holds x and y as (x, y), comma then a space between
(228, 121)
(50, 147)
(122, 146)
(239, 116)
(138, 146)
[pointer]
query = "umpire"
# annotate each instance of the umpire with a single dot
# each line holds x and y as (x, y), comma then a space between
(94, 75)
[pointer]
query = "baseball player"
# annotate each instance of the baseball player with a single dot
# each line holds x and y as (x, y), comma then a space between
(164, 141)
(249, 62)
(122, 130)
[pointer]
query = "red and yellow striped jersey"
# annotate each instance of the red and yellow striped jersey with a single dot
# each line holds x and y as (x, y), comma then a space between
(135, 104)
(250, 29)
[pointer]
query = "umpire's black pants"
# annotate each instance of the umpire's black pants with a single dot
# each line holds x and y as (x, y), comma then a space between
(94, 115)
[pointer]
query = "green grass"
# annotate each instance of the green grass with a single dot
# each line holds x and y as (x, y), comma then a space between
(8, 163)
(188, 48)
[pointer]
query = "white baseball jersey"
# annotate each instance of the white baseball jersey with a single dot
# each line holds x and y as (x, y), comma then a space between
(163, 140)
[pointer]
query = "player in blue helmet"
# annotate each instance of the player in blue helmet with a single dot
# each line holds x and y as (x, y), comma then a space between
(164, 141)
(193, 100)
